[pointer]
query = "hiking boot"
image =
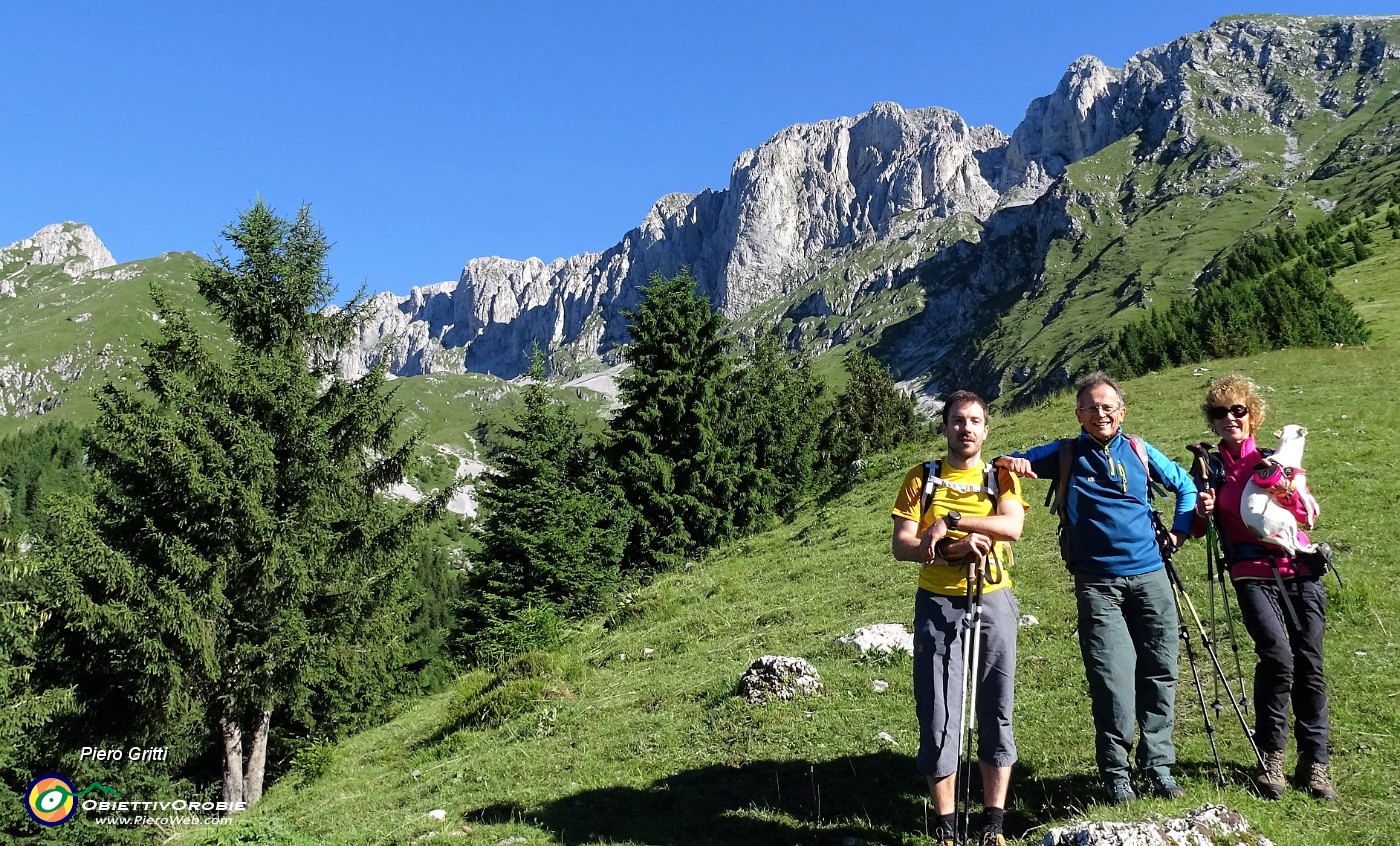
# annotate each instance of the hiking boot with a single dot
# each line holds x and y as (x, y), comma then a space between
(991, 837)
(1163, 786)
(1117, 791)
(1313, 777)
(1270, 780)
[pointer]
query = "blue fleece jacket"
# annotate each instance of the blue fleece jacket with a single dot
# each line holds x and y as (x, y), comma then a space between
(1110, 530)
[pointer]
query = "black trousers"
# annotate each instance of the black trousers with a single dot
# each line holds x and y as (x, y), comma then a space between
(1290, 663)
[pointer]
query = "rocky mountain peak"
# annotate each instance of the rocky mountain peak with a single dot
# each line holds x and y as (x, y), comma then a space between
(71, 247)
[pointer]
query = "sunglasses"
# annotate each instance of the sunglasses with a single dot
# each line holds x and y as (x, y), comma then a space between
(1218, 412)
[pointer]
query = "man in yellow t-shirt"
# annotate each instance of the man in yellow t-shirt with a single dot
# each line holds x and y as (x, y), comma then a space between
(970, 513)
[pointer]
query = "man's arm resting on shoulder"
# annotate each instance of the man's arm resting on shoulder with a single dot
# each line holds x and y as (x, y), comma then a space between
(1005, 525)
(1038, 462)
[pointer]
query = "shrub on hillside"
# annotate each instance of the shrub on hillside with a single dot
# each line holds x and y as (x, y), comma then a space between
(485, 699)
(313, 760)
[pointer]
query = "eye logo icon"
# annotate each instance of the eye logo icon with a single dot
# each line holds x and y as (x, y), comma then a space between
(50, 800)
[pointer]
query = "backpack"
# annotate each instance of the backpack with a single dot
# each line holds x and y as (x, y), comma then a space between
(1057, 498)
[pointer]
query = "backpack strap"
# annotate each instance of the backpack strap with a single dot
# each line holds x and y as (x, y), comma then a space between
(1154, 483)
(931, 471)
(1058, 494)
(933, 479)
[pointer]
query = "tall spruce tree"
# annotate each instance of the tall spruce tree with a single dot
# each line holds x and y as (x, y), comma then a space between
(236, 557)
(552, 536)
(871, 413)
(25, 705)
(682, 478)
(776, 413)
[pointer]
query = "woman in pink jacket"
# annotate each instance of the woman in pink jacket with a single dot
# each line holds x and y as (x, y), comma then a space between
(1281, 598)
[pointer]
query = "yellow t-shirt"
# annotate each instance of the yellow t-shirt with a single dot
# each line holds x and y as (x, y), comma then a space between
(951, 579)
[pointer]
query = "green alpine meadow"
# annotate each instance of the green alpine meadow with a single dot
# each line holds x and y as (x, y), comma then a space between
(287, 563)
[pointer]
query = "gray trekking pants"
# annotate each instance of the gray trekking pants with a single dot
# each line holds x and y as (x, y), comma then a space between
(1128, 637)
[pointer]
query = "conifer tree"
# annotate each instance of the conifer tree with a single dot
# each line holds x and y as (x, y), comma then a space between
(24, 705)
(553, 533)
(776, 412)
(236, 562)
(680, 476)
(871, 413)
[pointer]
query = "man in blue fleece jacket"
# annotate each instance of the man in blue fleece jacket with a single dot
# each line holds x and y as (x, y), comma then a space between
(1127, 613)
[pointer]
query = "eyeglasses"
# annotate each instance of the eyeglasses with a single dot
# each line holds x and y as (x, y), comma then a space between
(1218, 412)
(1100, 409)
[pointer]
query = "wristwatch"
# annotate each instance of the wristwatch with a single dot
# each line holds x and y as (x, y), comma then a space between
(951, 520)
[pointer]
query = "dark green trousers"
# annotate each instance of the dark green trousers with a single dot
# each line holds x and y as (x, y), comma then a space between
(1128, 637)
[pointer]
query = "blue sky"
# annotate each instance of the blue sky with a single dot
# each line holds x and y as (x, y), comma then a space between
(424, 134)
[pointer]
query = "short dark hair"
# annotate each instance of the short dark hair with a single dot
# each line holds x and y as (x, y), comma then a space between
(957, 398)
(1094, 380)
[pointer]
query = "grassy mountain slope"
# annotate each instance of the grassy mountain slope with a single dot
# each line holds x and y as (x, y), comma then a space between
(632, 733)
(63, 337)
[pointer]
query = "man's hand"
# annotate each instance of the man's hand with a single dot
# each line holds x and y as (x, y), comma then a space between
(1020, 466)
(1179, 539)
(937, 532)
(972, 544)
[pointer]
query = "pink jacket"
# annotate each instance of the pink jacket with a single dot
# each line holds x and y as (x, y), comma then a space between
(1232, 529)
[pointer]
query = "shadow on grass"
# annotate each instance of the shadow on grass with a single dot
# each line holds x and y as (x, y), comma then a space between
(876, 798)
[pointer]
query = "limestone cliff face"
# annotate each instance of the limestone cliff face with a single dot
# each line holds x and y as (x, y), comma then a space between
(816, 189)
(809, 189)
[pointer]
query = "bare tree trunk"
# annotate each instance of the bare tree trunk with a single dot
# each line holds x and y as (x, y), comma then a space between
(233, 763)
(257, 759)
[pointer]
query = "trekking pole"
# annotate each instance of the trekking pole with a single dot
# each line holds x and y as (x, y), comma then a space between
(1184, 633)
(1184, 598)
(1215, 569)
(972, 651)
(1213, 554)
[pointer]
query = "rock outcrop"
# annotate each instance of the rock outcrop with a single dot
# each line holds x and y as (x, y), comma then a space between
(882, 639)
(72, 248)
(1208, 825)
(778, 677)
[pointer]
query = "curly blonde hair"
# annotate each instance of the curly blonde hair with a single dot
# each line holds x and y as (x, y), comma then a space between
(1230, 390)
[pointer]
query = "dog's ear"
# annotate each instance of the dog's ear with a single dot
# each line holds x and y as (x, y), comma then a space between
(1278, 433)
(1302, 431)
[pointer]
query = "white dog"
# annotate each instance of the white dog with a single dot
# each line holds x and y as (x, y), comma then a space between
(1280, 477)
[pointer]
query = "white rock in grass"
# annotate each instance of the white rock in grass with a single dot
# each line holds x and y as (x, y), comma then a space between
(438, 814)
(1208, 825)
(881, 638)
(885, 736)
(778, 677)
(1027, 620)
(879, 685)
